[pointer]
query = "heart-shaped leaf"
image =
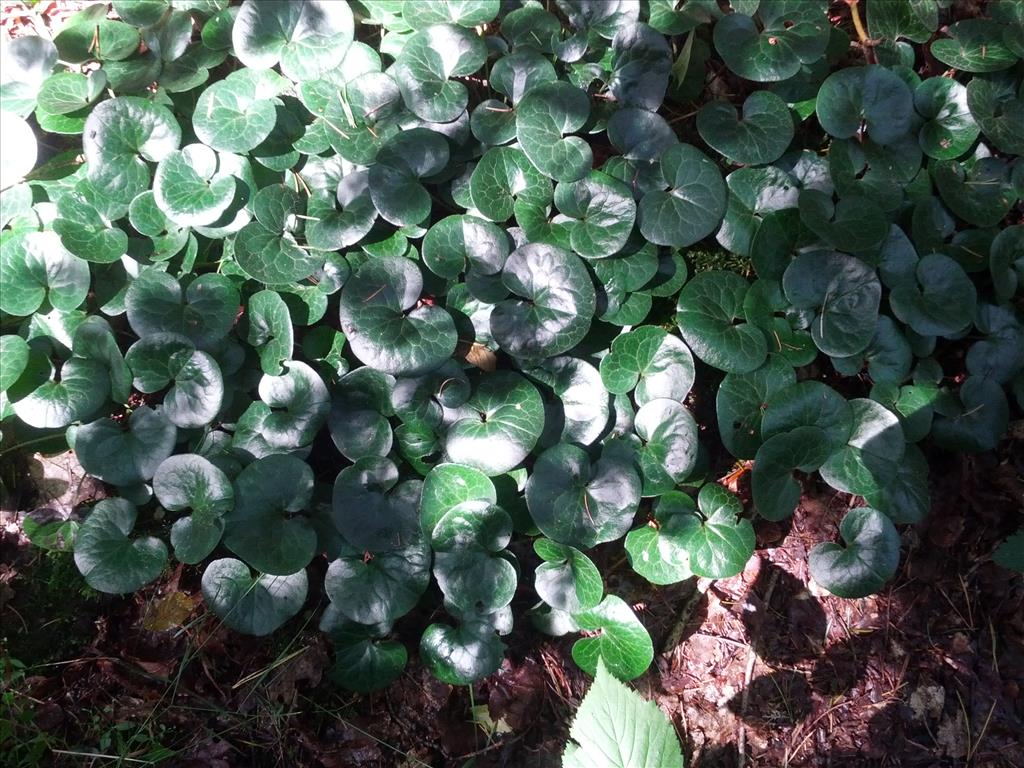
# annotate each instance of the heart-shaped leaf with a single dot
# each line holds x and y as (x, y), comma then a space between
(35, 267)
(708, 308)
(869, 559)
(844, 294)
(602, 210)
(718, 541)
(372, 510)
(950, 129)
(567, 579)
(387, 326)
(126, 458)
(668, 453)
(869, 460)
(790, 34)
(578, 503)
(471, 569)
(688, 204)
(307, 38)
(939, 302)
(649, 362)
(775, 492)
(656, 550)
(266, 527)
(616, 637)
(742, 399)
(192, 482)
(760, 135)
(498, 426)
(974, 45)
(109, 560)
(872, 95)
(378, 588)
(556, 303)
(544, 117)
(252, 605)
(428, 59)
(362, 663)
(204, 312)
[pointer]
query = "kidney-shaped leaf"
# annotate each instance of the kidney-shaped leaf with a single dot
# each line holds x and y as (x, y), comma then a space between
(616, 636)
(690, 201)
(118, 457)
(709, 306)
(252, 604)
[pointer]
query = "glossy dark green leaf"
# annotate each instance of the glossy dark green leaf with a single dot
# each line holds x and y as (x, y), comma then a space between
(760, 134)
(618, 639)
(307, 38)
(578, 503)
(873, 95)
(252, 604)
(940, 301)
(641, 60)
(776, 493)
(109, 560)
(124, 458)
(950, 129)
(462, 655)
(35, 267)
(372, 510)
(471, 569)
(191, 482)
(555, 303)
(974, 45)
(387, 326)
(689, 204)
(427, 62)
(809, 404)
(649, 362)
(791, 33)
(869, 460)
(844, 294)
(602, 210)
(499, 425)
(668, 434)
(708, 308)
(379, 588)
(79, 393)
(869, 558)
(567, 579)
(544, 118)
(741, 401)
(267, 528)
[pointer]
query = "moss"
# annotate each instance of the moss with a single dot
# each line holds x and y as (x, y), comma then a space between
(51, 614)
(717, 258)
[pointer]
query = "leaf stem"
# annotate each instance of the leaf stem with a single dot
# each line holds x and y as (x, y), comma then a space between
(862, 34)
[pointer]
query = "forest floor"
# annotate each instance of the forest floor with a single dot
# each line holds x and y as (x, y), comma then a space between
(764, 665)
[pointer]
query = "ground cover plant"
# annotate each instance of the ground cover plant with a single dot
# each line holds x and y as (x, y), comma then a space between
(391, 285)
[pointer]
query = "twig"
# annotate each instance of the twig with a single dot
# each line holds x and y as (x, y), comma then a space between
(741, 742)
(684, 615)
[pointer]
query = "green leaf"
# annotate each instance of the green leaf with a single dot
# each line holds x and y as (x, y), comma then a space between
(386, 325)
(906, 499)
(939, 302)
(191, 482)
(718, 541)
(67, 92)
(504, 181)
(329, 228)
(204, 312)
(950, 129)
(380, 588)
(584, 403)
(809, 404)
(974, 45)
(449, 485)
(602, 212)
(117, 457)
(978, 191)
(641, 61)
(668, 434)
(708, 307)
(869, 559)
(109, 560)
(266, 527)
(498, 426)
(741, 401)
(656, 550)
(462, 655)
(458, 244)
(14, 358)
(308, 38)
(120, 136)
(776, 494)
(189, 187)
(471, 569)
(873, 95)
(582, 504)
(252, 605)
(82, 389)
(85, 232)
(102, 38)
(869, 460)
(567, 579)
(547, 113)
(618, 639)
(689, 203)
(372, 510)
(361, 663)
(237, 113)
(1010, 554)
(359, 410)
(429, 58)
(465, 13)
(981, 423)
(855, 223)
(291, 411)
(270, 330)
(556, 306)
(35, 267)
(649, 362)
(394, 180)
(844, 294)
(998, 106)
(915, 20)
(760, 135)
(615, 727)
(790, 34)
